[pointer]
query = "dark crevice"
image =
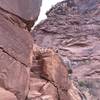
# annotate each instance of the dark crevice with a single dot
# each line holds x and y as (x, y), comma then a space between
(58, 88)
(42, 86)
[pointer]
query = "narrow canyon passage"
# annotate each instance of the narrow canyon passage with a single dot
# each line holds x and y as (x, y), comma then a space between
(73, 30)
(59, 59)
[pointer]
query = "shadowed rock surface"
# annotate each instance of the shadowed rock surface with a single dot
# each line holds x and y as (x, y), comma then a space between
(72, 29)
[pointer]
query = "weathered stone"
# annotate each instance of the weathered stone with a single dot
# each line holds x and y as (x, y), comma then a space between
(36, 85)
(14, 76)
(26, 9)
(16, 47)
(28, 72)
(50, 92)
(54, 70)
(41, 89)
(6, 95)
(72, 29)
(15, 41)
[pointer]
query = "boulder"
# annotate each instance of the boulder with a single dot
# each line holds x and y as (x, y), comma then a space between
(16, 47)
(25, 9)
(53, 71)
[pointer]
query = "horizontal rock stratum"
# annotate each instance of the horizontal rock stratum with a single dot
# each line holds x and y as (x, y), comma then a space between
(35, 72)
(73, 30)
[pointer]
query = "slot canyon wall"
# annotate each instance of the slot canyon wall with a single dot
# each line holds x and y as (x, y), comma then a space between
(58, 60)
(72, 29)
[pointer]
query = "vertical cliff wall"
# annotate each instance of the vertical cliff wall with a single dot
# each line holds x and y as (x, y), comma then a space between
(64, 65)
(16, 47)
(73, 30)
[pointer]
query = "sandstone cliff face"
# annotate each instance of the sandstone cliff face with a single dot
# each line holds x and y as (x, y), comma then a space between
(28, 72)
(16, 48)
(28, 10)
(72, 29)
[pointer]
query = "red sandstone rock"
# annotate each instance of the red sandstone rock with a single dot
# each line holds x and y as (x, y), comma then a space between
(16, 50)
(53, 71)
(72, 28)
(28, 72)
(28, 10)
(6, 95)
(41, 89)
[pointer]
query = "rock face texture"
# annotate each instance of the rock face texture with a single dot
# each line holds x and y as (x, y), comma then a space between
(29, 72)
(16, 50)
(49, 77)
(72, 29)
(28, 10)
